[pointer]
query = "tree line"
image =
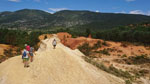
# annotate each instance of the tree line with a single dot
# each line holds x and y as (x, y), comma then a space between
(18, 37)
(139, 34)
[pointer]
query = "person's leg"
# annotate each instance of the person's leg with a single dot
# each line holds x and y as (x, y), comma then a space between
(54, 46)
(27, 62)
(31, 57)
(23, 60)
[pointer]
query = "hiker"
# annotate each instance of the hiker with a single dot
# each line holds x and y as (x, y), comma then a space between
(25, 48)
(32, 52)
(25, 56)
(54, 43)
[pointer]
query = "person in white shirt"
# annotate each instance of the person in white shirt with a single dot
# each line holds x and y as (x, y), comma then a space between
(54, 43)
(25, 57)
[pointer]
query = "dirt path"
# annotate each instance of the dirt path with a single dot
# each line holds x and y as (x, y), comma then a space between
(54, 66)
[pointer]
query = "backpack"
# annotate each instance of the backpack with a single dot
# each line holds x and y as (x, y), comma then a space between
(28, 48)
(24, 54)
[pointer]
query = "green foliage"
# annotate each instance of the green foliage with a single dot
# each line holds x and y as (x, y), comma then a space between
(104, 51)
(104, 43)
(124, 55)
(98, 65)
(129, 34)
(18, 51)
(97, 45)
(85, 48)
(8, 53)
(120, 73)
(37, 19)
(128, 82)
(88, 32)
(140, 59)
(18, 38)
(111, 69)
(33, 38)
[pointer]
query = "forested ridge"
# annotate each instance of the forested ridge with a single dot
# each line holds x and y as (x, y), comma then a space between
(26, 19)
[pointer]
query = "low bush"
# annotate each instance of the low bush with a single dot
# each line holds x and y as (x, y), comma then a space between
(105, 43)
(111, 69)
(8, 53)
(105, 52)
(96, 45)
(128, 82)
(142, 59)
(85, 49)
(124, 55)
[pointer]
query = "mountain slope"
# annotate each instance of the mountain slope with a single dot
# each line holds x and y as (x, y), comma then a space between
(25, 18)
(29, 18)
(56, 66)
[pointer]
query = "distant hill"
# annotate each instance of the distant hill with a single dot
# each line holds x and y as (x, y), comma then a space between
(30, 18)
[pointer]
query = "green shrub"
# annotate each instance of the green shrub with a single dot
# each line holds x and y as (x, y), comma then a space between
(124, 55)
(85, 48)
(120, 73)
(8, 53)
(105, 52)
(18, 51)
(128, 82)
(97, 45)
(138, 59)
(111, 69)
(104, 43)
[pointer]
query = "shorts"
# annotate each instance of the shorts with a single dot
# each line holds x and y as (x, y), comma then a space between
(25, 59)
(31, 54)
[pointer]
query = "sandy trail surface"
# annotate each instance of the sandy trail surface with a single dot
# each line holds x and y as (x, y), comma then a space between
(54, 66)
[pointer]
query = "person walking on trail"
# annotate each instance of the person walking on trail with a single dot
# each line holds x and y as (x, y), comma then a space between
(32, 52)
(54, 43)
(25, 56)
(25, 48)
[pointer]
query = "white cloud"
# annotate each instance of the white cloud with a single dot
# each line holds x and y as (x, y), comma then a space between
(136, 12)
(97, 11)
(140, 12)
(14, 0)
(49, 12)
(57, 9)
(148, 13)
(130, 0)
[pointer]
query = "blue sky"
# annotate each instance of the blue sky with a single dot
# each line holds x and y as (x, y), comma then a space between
(109, 6)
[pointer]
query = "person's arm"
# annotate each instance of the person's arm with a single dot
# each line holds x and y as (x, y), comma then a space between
(28, 54)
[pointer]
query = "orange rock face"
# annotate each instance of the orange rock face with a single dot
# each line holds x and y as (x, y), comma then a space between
(42, 37)
(73, 43)
(6, 47)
